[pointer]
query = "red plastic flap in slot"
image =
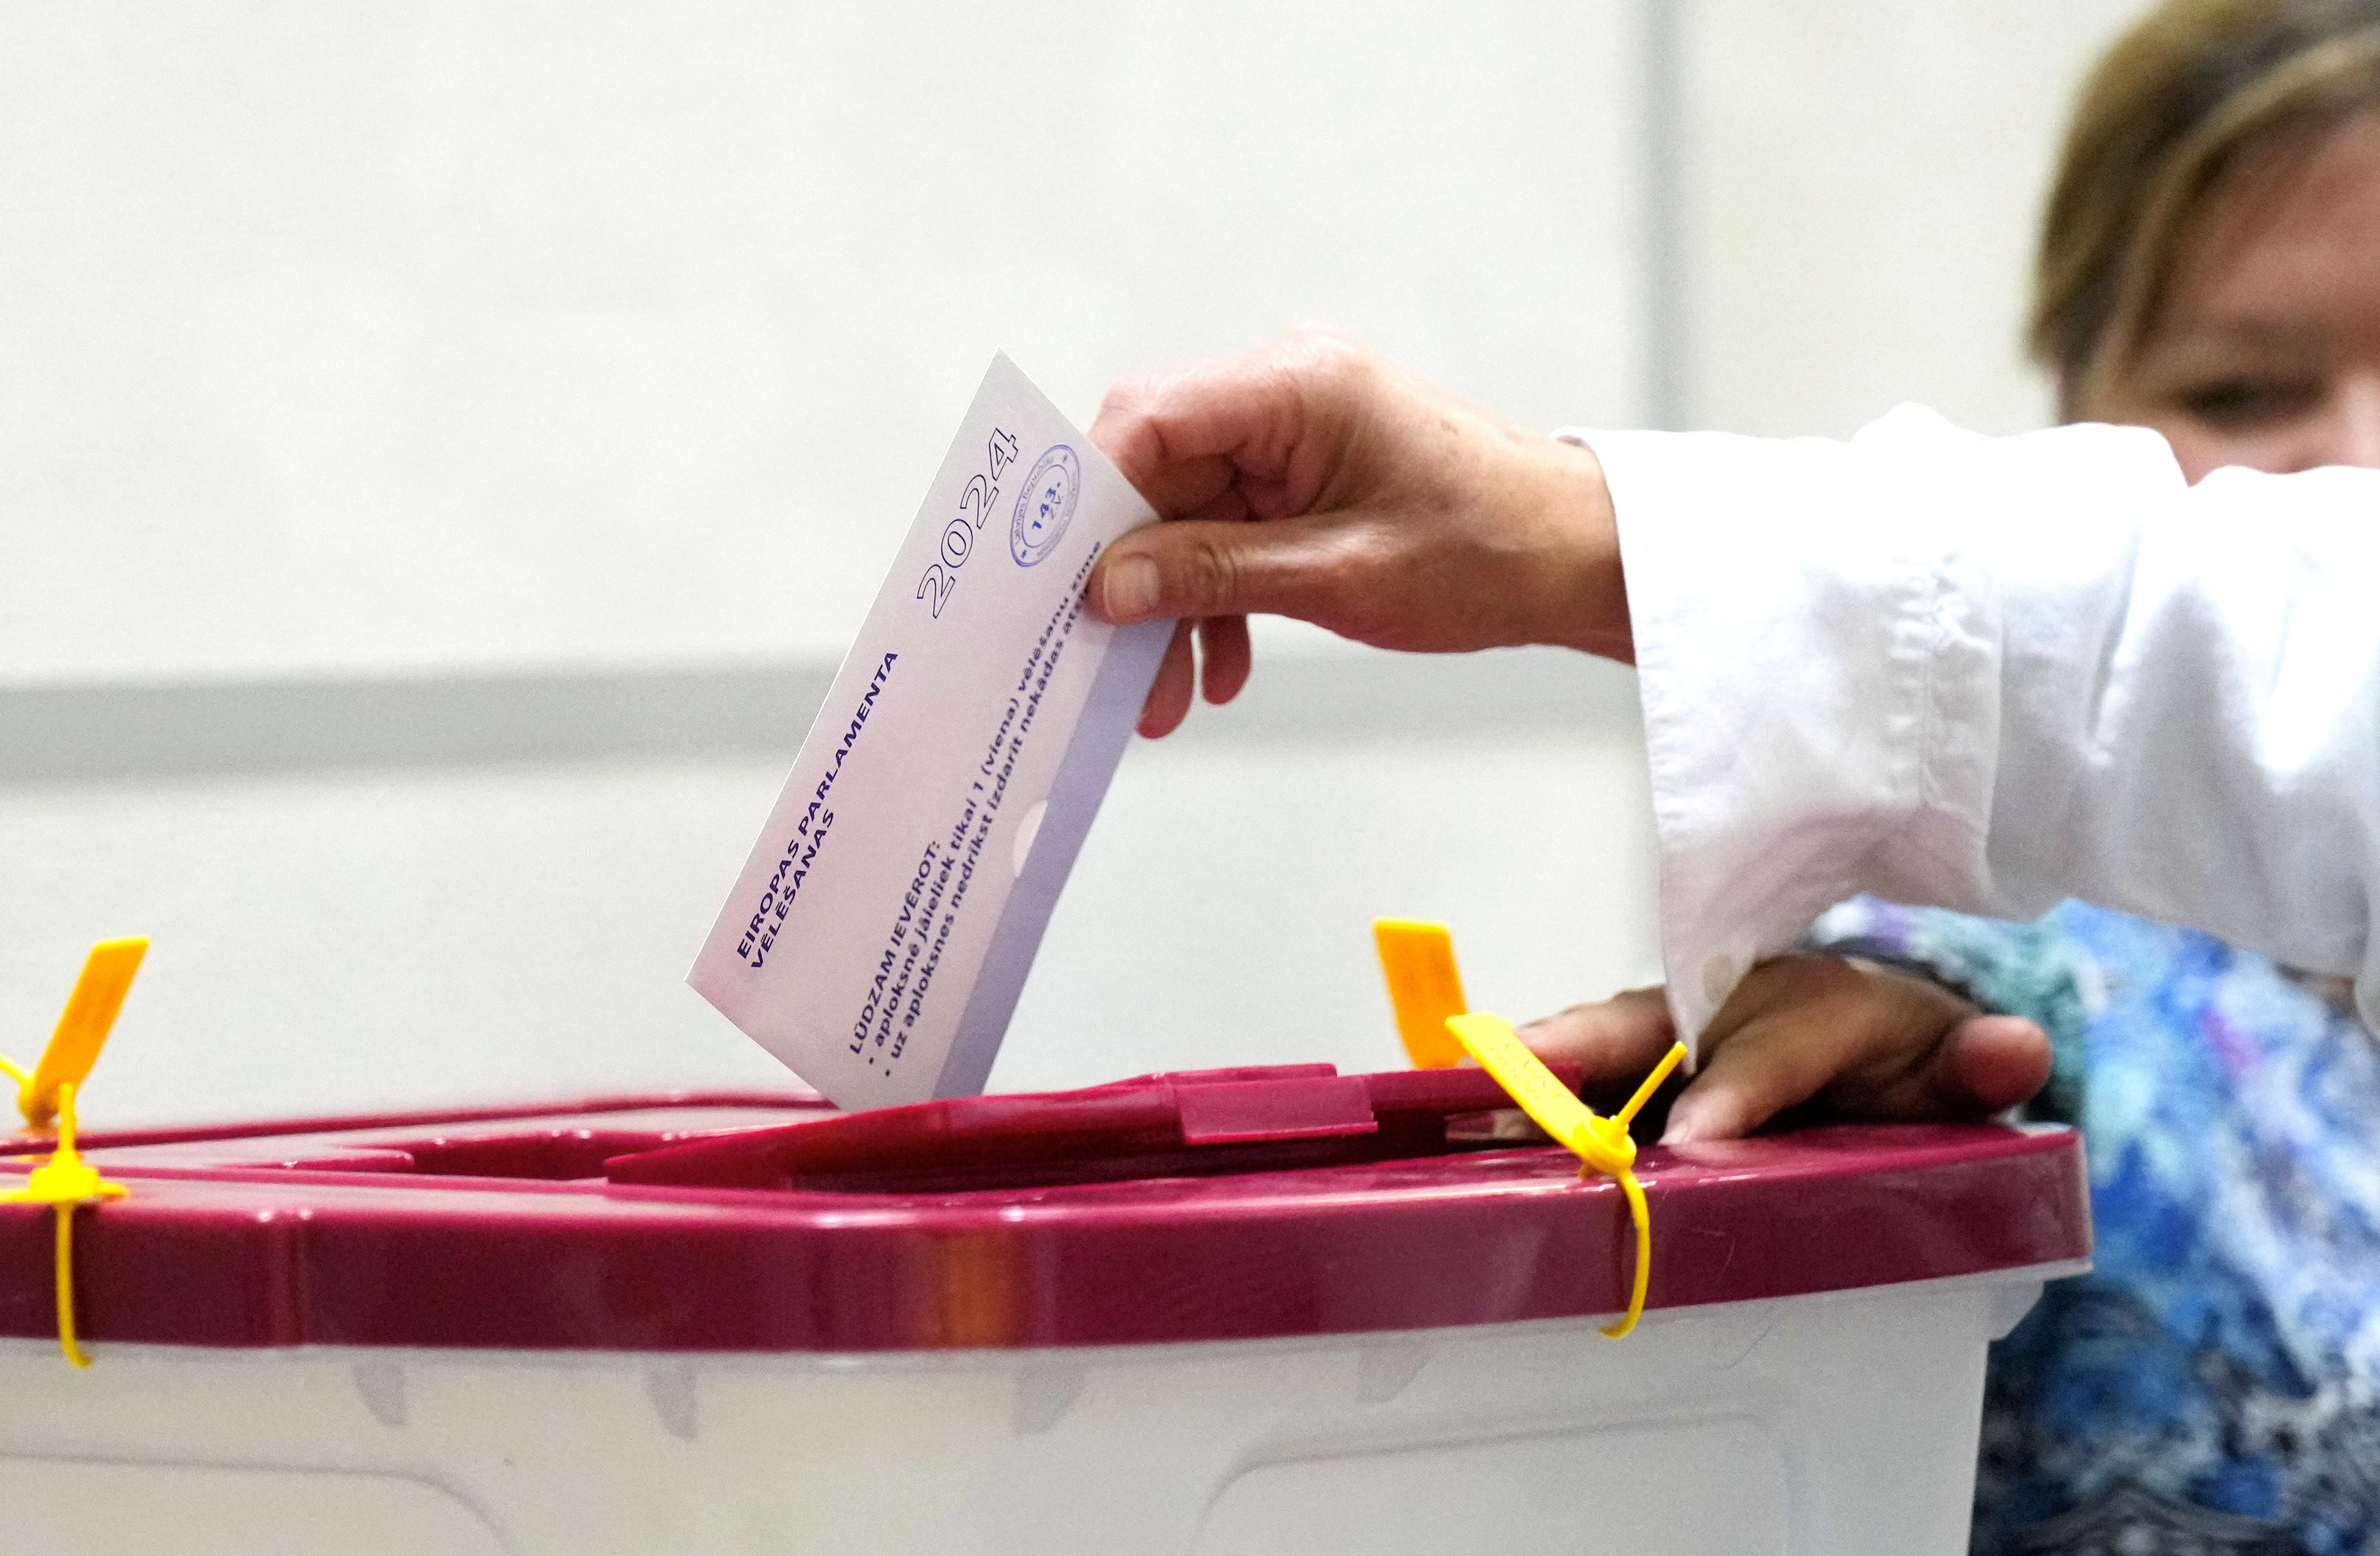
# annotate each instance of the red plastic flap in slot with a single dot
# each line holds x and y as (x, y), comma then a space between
(1438, 1093)
(1153, 1116)
(1235, 1112)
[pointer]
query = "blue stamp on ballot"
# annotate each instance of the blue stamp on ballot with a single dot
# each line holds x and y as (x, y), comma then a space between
(1047, 503)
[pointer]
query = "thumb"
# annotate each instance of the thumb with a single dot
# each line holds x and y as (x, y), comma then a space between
(1208, 568)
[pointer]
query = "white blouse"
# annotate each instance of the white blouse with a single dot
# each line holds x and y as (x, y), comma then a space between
(1991, 673)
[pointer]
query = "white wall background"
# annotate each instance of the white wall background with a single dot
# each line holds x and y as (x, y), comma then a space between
(406, 335)
(415, 341)
(1862, 189)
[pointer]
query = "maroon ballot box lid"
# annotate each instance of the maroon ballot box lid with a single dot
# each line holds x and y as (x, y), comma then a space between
(1219, 1205)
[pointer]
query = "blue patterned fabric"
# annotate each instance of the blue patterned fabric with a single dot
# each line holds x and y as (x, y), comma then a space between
(2213, 1385)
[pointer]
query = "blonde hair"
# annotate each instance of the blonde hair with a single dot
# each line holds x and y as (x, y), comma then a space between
(2171, 108)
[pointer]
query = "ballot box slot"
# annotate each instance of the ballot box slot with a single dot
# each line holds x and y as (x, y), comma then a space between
(554, 1154)
(569, 1148)
(1185, 1124)
(551, 1155)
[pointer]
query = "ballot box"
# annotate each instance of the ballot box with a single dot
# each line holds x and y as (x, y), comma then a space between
(1266, 1310)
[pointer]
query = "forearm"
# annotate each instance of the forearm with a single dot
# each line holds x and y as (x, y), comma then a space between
(1986, 673)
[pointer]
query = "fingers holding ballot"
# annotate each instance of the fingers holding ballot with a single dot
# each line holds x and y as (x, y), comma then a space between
(1312, 478)
(1847, 1034)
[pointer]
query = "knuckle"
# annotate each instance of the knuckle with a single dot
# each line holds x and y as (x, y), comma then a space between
(1207, 577)
(1325, 353)
(1129, 398)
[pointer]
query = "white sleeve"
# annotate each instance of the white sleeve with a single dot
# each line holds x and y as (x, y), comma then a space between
(1987, 673)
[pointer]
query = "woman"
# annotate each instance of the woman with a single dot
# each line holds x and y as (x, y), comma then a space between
(2210, 267)
(2000, 672)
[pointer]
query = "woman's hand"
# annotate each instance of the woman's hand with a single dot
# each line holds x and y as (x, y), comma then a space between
(1311, 478)
(1856, 1038)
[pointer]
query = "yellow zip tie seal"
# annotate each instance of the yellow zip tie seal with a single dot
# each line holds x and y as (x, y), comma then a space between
(46, 1094)
(1602, 1144)
(1427, 990)
(66, 1182)
(81, 1031)
(1425, 986)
